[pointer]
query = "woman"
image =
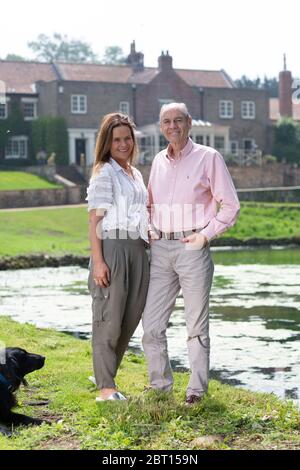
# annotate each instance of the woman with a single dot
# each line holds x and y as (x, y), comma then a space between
(119, 268)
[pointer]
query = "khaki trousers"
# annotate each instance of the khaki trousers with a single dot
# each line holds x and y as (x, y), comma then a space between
(174, 267)
(118, 308)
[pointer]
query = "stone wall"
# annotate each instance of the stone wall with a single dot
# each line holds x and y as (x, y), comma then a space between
(268, 175)
(42, 197)
(275, 175)
(270, 194)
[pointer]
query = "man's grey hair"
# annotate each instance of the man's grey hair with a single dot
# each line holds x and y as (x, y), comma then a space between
(182, 107)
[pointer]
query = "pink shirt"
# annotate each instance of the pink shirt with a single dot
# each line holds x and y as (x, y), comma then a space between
(193, 191)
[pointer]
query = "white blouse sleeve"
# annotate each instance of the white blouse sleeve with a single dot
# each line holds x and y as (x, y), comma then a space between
(100, 190)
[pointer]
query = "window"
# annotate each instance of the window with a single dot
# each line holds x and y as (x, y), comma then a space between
(29, 106)
(249, 145)
(124, 107)
(78, 104)
(226, 109)
(29, 111)
(234, 147)
(248, 109)
(3, 110)
(199, 139)
(219, 142)
(16, 147)
(163, 143)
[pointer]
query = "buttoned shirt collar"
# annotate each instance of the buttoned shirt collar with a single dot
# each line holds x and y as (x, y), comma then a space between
(183, 153)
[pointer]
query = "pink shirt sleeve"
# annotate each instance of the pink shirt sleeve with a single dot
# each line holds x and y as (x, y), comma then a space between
(224, 193)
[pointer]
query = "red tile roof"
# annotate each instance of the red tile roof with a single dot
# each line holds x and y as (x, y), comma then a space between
(19, 77)
(274, 110)
(206, 78)
(94, 72)
(124, 74)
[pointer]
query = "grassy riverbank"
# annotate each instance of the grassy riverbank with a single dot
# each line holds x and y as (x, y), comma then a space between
(18, 180)
(64, 230)
(228, 418)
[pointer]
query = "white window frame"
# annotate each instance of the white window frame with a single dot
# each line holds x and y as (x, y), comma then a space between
(5, 110)
(234, 147)
(220, 149)
(17, 140)
(248, 110)
(226, 109)
(4, 101)
(32, 101)
(76, 104)
(124, 107)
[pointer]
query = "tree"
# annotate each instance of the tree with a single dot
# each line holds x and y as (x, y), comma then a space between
(272, 85)
(269, 84)
(287, 140)
(15, 58)
(245, 82)
(113, 55)
(51, 134)
(61, 48)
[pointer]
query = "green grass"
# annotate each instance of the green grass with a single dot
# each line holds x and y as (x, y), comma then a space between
(65, 230)
(53, 231)
(238, 419)
(267, 221)
(18, 180)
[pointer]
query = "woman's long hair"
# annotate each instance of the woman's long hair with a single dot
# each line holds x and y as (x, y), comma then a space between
(104, 138)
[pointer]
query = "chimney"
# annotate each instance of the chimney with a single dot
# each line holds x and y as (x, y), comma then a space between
(285, 91)
(135, 59)
(165, 62)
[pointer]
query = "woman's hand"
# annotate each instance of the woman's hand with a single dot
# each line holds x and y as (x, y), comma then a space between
(152, 236)
(101, 274)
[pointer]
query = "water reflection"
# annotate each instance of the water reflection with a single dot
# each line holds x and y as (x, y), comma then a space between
(255, 315)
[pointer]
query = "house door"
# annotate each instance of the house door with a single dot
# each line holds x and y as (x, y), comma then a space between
(80, 149)
(249, 145)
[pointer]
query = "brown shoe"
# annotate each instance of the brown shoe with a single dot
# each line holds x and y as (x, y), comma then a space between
(192, 400)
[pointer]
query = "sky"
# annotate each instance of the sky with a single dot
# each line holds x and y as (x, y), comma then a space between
(241, 37)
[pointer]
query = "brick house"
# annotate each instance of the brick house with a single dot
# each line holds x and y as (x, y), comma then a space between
(234, 120)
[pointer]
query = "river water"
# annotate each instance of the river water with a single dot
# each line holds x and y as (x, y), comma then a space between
(254, 315)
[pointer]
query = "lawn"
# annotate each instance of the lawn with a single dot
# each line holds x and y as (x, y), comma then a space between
(266, 221)
(228, 418)
(61, 231)
(18, 180)
(52, 231)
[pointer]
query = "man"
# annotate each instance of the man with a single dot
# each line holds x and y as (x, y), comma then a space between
(192, 199)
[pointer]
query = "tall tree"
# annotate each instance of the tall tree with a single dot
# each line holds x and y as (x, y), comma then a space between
(287, 140)
(61, 48)
(269, 84)
(15, 58)
(113, 55)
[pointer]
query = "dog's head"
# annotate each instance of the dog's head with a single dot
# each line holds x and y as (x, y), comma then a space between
(20, 363)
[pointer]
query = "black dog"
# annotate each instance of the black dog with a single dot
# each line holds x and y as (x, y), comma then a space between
(17, 363)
